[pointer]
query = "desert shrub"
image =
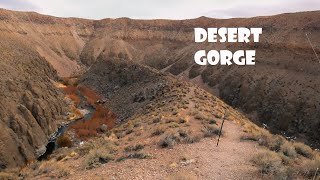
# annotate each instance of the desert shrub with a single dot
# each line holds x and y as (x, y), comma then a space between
(200, 116)
(187, 137)
(191, 139)
(210, 130)
(183, 133)
(303, 150)
(64, 141)
(309, 167)
(139, 155)
(7, 176)
(158, 131)
(182, 120)
(129, 131)
(285, 159)
(99, 143)
(273, 142)
(136, 155)
(212, 121)
(137, 124)
(181, 176)
(288, 149)
(120, 134)
(168, 140)
(270, 163)
(250, 137)
(53, 169)
(169, 119)
(136, 147)
(97, 157)
(156, 120)
(173, 125)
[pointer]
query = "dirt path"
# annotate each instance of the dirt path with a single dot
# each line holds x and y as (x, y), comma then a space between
(231, 160)
(202, 160)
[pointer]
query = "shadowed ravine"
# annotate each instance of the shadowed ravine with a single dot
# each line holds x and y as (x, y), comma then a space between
(87, 104)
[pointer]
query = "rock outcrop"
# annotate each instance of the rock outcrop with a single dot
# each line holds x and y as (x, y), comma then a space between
(30, 103)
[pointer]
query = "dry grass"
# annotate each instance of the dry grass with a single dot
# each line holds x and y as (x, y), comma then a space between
(173, 137)
(309, 167)
(271, 165)
(288, 149)
(210, 130)
(181, 176)
(168, 140)
(97, 157)
(273, 142)
(52, 169)
(135, 155)
(283, 159)
(139, 155)
(101, 151)
(304, 150)
(158, 131)
(136, 147)
(7, 176)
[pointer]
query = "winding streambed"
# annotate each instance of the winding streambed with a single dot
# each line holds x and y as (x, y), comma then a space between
(52, 142)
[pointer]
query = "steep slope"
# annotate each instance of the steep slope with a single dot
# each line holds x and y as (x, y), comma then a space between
(280, 91)
(59, 41)
(30, 105)
(171, 134)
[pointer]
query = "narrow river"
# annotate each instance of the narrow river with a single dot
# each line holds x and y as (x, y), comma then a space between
(86, 102)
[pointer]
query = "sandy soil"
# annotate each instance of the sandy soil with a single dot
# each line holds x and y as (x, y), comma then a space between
(203, 160)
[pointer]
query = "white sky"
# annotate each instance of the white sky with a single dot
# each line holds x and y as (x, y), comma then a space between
(161, 9)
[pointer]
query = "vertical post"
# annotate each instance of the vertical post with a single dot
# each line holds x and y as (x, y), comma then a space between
(220, 131)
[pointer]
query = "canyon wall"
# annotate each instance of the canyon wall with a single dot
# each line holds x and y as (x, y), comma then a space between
(281, 90)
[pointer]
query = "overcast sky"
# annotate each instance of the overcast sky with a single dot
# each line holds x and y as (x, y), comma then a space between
(161, 9)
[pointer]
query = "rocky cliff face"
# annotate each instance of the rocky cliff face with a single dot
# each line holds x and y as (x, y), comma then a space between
(30, 103)
(280, 91)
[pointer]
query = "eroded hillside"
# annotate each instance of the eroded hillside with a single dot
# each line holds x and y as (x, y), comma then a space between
(281, 91)
(31, 106)
(170, 132)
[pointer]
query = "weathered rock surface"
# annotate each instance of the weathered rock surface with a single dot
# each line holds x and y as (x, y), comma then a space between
(30, 103)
